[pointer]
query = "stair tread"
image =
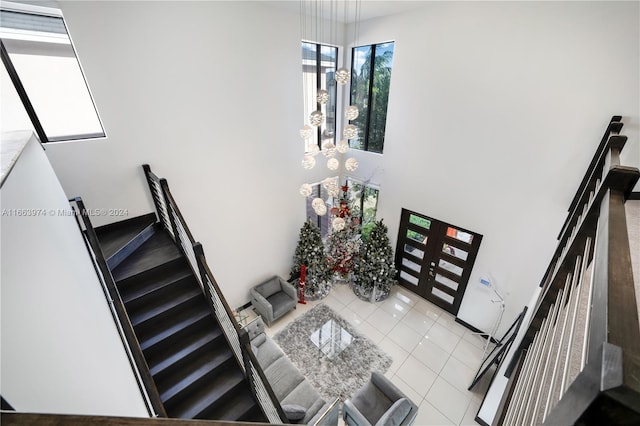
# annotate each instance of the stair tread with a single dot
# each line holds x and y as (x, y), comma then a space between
(181, 352)
(175, 328)
(207, 396)
(196, 370)
(114, 236)
(237, 408)
(156, 251)
(165, 305)
(131, 293)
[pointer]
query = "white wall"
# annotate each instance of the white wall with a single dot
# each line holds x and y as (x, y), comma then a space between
(495, 111)
(209, 94)
(61, 352)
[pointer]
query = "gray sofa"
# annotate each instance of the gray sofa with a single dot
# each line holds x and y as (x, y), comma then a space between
(273, 298)
(298, 398)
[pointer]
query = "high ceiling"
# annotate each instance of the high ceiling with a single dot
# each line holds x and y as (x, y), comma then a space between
(368, 8)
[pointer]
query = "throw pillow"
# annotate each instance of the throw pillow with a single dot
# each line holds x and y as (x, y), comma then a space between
(294, 412)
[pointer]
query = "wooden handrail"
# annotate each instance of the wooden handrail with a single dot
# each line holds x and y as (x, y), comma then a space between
(37, 419)
(147, 384)
(205, 276)
(594, 233)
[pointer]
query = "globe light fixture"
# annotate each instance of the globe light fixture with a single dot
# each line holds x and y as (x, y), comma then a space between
(320, 209)
(333, 190)
(333, 164)
(305, 190)
(322, 97)
(316, 118)
(342, 76)
(351, 164)
(306, 132)
(352, 112)
(350, 131)
(308, 162)
(338, 224)
(343, 146)
(328, 149)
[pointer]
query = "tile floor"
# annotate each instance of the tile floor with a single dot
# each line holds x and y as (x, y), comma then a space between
(434, 357)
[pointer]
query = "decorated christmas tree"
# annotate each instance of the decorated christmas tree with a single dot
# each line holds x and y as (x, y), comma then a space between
(374, 271)
(310, 252)
(343, 243)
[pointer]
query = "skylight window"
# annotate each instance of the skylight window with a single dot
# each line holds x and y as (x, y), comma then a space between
(41, 62)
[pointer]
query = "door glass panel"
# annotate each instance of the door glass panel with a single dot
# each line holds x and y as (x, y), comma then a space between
(411, 265)
(408, 278)
(450, 267)
(420, 221)
(408, 248)
(459, 235)
(442, 295)
(447, 282)
(416, 236)
(454, 251)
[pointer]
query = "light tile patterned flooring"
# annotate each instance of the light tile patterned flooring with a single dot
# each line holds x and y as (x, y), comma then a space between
(434, 357)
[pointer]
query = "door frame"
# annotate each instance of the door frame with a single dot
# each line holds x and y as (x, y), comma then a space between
(436, 237)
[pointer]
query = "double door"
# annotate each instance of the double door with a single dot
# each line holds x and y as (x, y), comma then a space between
(434, 259)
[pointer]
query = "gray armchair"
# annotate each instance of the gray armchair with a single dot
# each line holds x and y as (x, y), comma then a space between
(273, 298)
(379, 403)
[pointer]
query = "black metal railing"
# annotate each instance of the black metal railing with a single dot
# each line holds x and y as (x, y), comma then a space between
(580, 357)
(172, 220)
(130, 341)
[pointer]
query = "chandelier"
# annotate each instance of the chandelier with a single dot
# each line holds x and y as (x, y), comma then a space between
(335, 149)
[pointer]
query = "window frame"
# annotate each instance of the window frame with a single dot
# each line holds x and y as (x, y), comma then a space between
(318, 61)
(372, 65)
(365, 185)
(22, 92)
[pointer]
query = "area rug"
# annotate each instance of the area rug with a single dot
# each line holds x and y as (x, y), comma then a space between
(342, 376)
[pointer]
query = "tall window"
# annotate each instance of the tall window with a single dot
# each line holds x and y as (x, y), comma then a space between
(363, 202)
(370, 81)
(41, 64)
(319, 64)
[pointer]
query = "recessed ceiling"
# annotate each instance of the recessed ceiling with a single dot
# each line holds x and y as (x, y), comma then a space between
(368, 8)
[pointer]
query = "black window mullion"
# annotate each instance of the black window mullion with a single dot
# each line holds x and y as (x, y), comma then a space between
(318, 86)
(370, 97)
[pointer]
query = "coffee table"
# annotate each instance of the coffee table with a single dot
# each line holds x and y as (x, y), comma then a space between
(331, 338)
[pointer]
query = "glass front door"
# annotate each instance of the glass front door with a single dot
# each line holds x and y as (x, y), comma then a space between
(434, 259)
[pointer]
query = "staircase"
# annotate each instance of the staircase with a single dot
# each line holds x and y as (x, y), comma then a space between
(188, 357)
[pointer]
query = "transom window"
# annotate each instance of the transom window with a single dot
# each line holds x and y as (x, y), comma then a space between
(370, 81)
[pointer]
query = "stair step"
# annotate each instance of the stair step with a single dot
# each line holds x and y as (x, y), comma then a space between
(155, 252)
(115, 236)
(193, 374)
(182, 353)
(150, 312)
(175, 329)
(146, 288)
(241, 406)
(205, 399)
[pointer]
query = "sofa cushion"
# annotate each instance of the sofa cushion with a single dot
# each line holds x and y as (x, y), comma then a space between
(283, 377)
(281, 303)
(270, 287)
(268, 351)
(396, 413)
(371, 402)
(294, 412)
(306, 396)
